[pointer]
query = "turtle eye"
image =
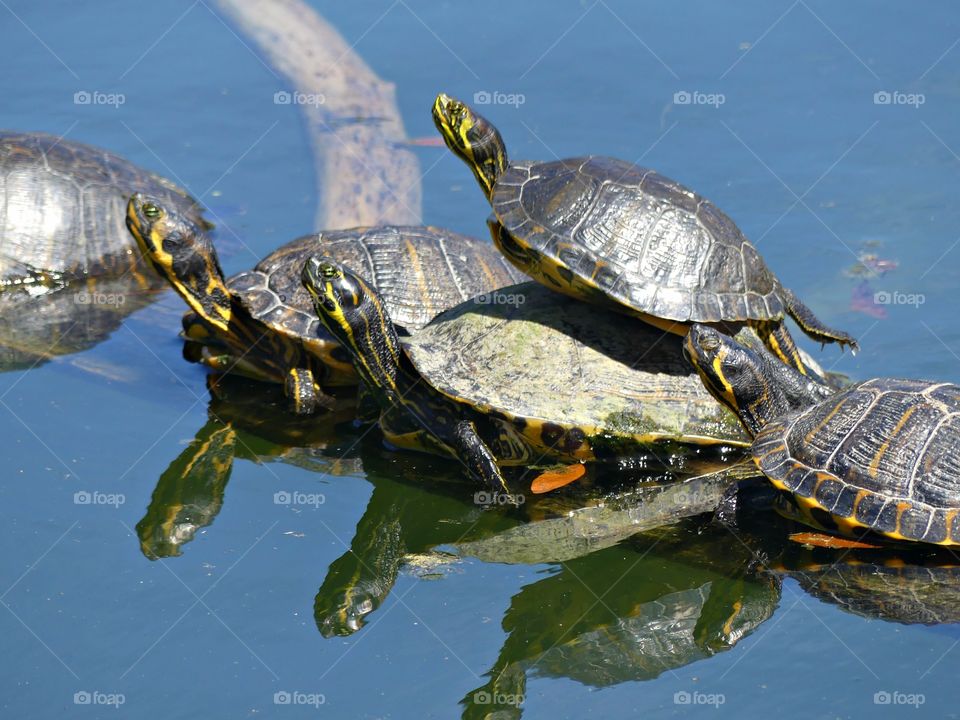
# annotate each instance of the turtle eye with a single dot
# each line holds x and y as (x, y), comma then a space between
(328, 271)
(709, 343)
(151, 211)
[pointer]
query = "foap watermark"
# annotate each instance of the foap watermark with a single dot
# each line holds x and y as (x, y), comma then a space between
(95, 497)
(690, 495)
(500, 298)
(495, 97)
(284, 497)
(296, 697)
(683, 697)
(282, 97)
(100, 298)
(484, 697)
(95, 97)
(95, 697)
(895, 697)
(695, 97)
(895, 97)
(491, 497)
(895, 297)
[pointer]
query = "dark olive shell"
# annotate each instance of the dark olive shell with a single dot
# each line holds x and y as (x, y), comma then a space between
(419, 271)
(570, 368)
(639, 237)
(881, 454)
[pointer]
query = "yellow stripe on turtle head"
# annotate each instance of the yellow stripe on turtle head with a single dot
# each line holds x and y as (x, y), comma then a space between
(366, 331)
(182, 253)
(725, 390)
(473, 138)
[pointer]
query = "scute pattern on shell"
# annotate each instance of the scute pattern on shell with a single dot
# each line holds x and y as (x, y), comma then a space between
(63, 207)
(642, 238)
(881, 453)
(546, 356)
(419, 271)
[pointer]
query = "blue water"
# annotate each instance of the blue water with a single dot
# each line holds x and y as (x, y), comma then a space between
(798, 153)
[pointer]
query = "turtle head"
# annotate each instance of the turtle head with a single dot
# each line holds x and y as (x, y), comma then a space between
(473, 138)
(345, 613)
(747, 378)
(182, 253)
(338, 295)
(354, 313)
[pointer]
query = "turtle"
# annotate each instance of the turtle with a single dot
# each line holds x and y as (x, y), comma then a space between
(62, 209)
(878, 456)
(608, 231)
(521, 376)
(260, 322)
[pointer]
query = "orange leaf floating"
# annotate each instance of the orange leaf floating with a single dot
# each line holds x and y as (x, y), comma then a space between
(553, 479)
(829, 541)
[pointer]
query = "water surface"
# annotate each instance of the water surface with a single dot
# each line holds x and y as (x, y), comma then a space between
(783, 129)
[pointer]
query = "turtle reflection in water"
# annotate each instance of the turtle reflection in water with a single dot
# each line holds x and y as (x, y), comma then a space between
(404, 522)
(38, 327)
(669, 597)
(888, 581)
(248, 420)
(880, 584)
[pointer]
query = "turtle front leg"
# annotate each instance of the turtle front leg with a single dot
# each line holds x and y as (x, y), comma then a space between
(304, 394)
(474, 453)
(777, 338)
(811, 324)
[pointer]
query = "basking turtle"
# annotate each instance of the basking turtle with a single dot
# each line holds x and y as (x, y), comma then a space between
(62, 209)
(260, 322)
(521, 378)
(879, 455)
(605, 230)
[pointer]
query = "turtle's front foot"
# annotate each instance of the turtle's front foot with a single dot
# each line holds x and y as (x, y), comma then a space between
(474, 453)
(304, 395)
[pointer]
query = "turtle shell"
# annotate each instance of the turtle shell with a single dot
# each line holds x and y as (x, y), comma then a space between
(570, 370)
(880, 454)
(419, 271)
(63, 208)
(638, 237)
